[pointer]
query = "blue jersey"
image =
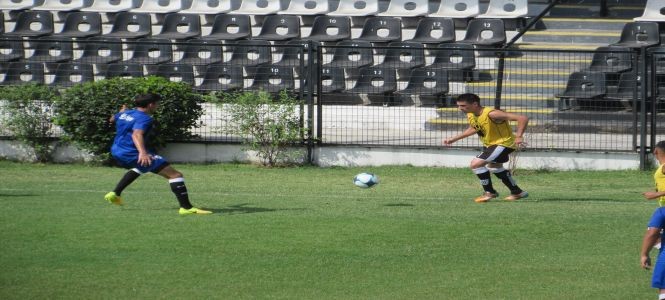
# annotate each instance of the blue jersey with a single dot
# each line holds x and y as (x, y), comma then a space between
(658, 221)
(125, 124)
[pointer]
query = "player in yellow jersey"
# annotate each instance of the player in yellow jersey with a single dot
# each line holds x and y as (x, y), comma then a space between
(659, 175)
(492, 127)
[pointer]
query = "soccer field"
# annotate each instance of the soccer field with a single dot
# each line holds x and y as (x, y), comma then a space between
(309, 233)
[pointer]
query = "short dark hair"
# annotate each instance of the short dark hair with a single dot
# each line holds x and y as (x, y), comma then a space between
(145, 99)
(661, 145)
(468, 98)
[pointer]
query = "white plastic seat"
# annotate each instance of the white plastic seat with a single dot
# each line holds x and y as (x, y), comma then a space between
(62, 5)
(506, 9)
(258, 7)
(354, 8)
(406, 8)
(159, 6)
(208, 7)
(457, 9)
(307, 7)
(17, 4)
(111, 6)
(653, 12)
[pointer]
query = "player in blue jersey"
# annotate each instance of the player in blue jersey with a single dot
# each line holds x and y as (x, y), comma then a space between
(129, 150)
(653, 235)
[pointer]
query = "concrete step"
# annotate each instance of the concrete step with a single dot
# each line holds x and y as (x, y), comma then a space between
(551, 23)
(584, 36)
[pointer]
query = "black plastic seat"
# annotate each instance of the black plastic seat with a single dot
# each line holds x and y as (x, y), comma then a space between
(352, 54)
(128, 25)
(70, 74)
(100, 50)
(230, 27)
(81, 25)
(375, 81)
(124, 70)
(222, 77)
(250, 53)
(454, 57)
(611, 60)
(273, 79)
(332, 80)
(426, 82)
(199, 52)
(639, 35)
(279, 28)
(434, 31)
(11, 49)
(51, 49)
(151, 51)
(404, 55)
(291, 56)
(626, 87)
(175, 73)
(330, 29)
(32, 24)
(381, 30)
(582, 86)
(24, 72)
(180, 27)
(485, 33)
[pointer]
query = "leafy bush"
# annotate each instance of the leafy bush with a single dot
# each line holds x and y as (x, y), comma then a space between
(83, 111)
(268, 127)
(27, 115)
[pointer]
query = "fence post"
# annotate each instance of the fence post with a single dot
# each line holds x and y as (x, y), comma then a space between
(643, 110)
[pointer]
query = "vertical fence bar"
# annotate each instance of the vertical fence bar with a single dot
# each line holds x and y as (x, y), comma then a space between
(643, 111)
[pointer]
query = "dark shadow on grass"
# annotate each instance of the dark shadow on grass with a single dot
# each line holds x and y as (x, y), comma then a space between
(18, 195)
(399, 205)
(245, 209)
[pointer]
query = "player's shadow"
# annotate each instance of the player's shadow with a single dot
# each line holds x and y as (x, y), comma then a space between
(18, 195)
(246, 209)
(399, 205)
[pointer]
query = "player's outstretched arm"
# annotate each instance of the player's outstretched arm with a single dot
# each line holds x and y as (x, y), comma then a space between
(650, 239)
(122, 108)
(144, 157)
(522, 122)
(466, 133)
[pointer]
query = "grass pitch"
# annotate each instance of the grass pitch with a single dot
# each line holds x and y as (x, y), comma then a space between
(308, 233)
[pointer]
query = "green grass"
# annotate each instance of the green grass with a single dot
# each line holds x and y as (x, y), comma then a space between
(308, 233)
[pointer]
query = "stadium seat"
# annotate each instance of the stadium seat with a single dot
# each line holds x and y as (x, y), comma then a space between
(258, 7)
(639, 35)
(81, 24)
(11, 49)
(626, 89)
(653, 12)
(32, 24)
(456, 59)
(151, 51)
(227, 27)
(279, 28)
(100, 50)
(330, 29)
(273, 79)
(307, 8)
(111, 6)
(506, 9)
(221, 77)
(582, 85)
(180, 27)
(332, 80)
(457, 9)
(376, 81)
(429, 85)
(403, 55)
(129, 25)
(125, 70)
(611, 60)
(208, 7)
(485, 33)
(61, 5)
(434, 31)
(250, 53)
(291, 56)
(24, 72)
(381, 30)
(351, 54)
(355, 8)
(17, 5)
(175, 73)
(406, 8)
(198, 52)
(51, 49)
(70, 74)
(159, 6)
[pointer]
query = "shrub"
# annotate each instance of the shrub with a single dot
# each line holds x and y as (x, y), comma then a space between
(84, 110)
(27, 115)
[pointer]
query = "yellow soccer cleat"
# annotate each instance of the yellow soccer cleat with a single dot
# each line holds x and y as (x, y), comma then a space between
(487, 196)
(193, 211)
(112, 198)
(514, 197)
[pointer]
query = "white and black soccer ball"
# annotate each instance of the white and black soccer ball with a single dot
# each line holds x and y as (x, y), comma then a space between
(365, 180)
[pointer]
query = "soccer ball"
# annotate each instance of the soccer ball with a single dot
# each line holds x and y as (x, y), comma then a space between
(365, 180)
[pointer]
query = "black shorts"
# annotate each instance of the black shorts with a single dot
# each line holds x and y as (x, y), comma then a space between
(495, 154)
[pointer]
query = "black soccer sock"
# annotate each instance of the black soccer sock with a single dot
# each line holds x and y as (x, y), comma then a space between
(125, 181)
(507, 179)
(485, 179)
(180, 190)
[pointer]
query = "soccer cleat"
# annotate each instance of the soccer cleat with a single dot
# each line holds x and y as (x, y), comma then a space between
(112, 198)
(487, 196)
(514, 197)
(193, 211)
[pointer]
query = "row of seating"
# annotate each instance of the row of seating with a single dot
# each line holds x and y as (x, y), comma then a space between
(275, 28)
(396, 8)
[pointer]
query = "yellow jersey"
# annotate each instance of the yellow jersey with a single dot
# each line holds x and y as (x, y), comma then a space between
(659, 178)
(491, 132)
